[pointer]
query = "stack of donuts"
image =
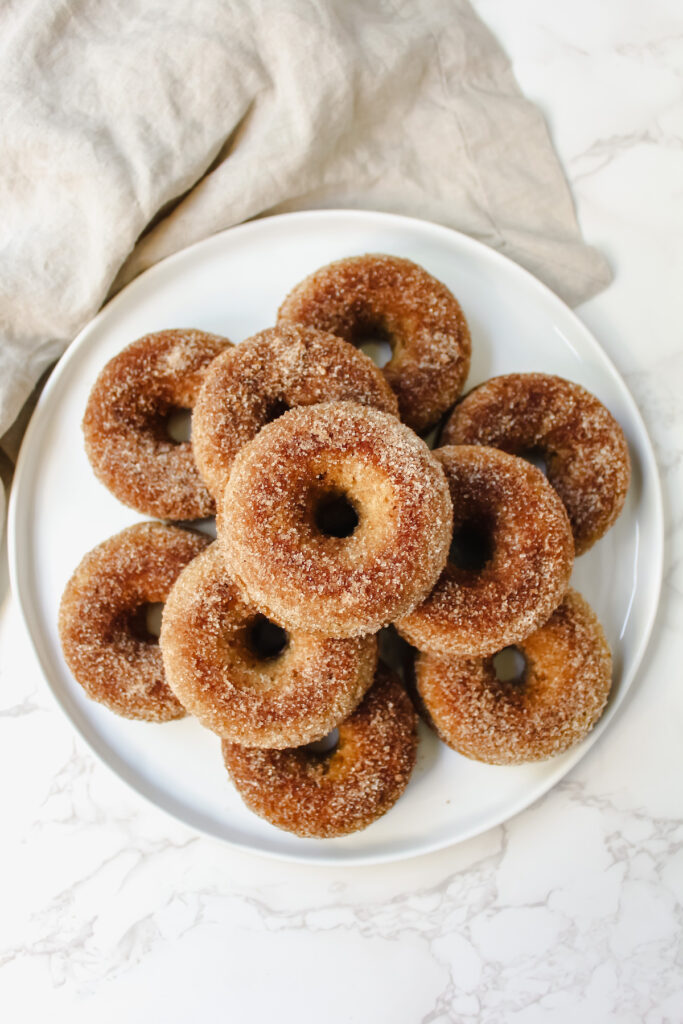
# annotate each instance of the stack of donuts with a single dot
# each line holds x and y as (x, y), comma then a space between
(335, 520)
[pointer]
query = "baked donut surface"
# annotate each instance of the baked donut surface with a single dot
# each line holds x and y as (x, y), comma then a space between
(280, 698)
(583, 446)
(322, 795)
(506, 509)
(559, 699)
(299, 568)
(394, 299)
(278, 369)
(126, 418)
(101, 625)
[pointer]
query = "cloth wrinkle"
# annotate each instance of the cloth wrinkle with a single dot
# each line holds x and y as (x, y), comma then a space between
(132, 130)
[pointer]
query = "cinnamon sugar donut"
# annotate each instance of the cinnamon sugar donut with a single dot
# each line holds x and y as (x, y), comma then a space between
(583, 446)
(278, 369)
(101, 618)
(125, 423)
(506, 512)
(558, 700)
(337, 519)
(250, 692)
(394, 299)
(331, 794)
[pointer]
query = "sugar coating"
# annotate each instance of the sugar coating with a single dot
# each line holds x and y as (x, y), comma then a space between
(269, 462)
(295, 698)
(124, 425)
(584, 447)
(480, 611)
(390, 297)
(278, 369)
(115, 666)
(333, 794)
(339, 586)
(563, 693)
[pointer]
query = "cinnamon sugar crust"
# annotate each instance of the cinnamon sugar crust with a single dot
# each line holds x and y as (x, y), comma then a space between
(125, 422)
(561, 697)
(583, 446)
(277, 369)
(296, 573)
(480, 610)
(345, 790)
(295, 697)
(385, 296)
(103, 643)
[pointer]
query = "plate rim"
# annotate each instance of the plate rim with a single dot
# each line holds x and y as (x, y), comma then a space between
(111, 759)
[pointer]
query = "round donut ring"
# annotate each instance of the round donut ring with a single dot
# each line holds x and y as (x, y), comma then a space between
(305, 574)
(278, 369)
(583, 446)
(508, 509)
(558, 701)
(294, 696)
(378, 296)
(344, 790)
(125, 423)
(101, 624)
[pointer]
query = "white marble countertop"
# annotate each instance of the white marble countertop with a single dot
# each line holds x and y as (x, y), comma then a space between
(572, 910)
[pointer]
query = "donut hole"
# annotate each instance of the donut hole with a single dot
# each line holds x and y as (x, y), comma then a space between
(509, 665)
(377, 349)
(472, 545)
(178, 425)
(326, 746)
(145, 622)
(537, 457)
(275, 409)
(335, 515)
(374, 340)
(265, 639)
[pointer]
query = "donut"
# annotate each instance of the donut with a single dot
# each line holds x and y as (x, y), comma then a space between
(557, 701)
(337, 519)
(378, 296)
(278, 369)
(327, 794)
(583, 446)
(102, 618)
(126, 419)
(244, 678)
(510, 559)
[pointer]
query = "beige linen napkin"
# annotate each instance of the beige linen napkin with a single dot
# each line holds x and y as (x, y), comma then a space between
(133, 128)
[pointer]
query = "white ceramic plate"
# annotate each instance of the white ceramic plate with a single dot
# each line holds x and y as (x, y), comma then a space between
(232, 284)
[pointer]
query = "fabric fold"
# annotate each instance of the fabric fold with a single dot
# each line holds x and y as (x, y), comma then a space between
(133, 129)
